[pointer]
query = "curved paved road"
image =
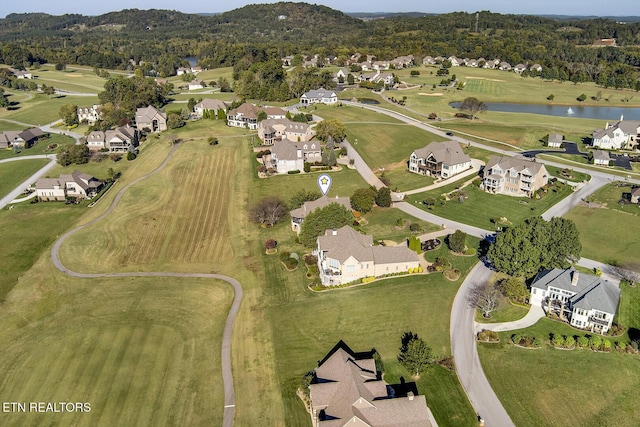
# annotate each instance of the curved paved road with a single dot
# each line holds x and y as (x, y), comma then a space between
(4, 201)
(227, 375)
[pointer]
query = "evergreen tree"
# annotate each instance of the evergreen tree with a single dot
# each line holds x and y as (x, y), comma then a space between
(333, 215)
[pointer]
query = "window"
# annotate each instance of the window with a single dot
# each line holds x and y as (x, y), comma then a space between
(351, 269)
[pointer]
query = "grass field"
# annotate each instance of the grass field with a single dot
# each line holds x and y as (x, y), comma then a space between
(479, 206)
(13, 173)
(39, 109)
(41, 147)
(139, 351)
(72, 79)
(604, 232)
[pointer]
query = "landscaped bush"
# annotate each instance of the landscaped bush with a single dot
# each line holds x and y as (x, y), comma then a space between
(526, 341)
(270, 246)
(131, 155)
(293, 172)
(557, 340)
(570, 342)
(583, 341)
(595, 342)
(289, 260)
(488, 336)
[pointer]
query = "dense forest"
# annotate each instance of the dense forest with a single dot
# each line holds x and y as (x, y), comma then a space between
(266, 32)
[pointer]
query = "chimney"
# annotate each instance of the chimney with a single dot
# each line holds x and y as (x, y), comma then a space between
(334, 232)
(575, 275)
(621, 117)
(410, 395)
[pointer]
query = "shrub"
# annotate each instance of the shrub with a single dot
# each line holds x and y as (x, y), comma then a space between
(270, 244)
(570, 341)
(307, 167)
(595, 342)
(581, 97)
(583, 341)
(557, 340)
(131, 155)
(293, 172)
(551, 97)
(516, 338)
(606, 345)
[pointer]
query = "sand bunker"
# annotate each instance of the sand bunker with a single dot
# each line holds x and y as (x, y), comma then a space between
(484, 78)
(431, 94)
(73, 75)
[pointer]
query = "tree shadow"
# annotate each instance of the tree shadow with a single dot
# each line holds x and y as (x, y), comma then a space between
(634, 334)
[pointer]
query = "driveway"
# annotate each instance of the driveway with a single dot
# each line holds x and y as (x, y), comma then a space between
(26, 183)
(465, 353)
(565, 205)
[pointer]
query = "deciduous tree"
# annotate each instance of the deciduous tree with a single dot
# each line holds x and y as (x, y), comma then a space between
(334, 128)
(458, 241)
(363, 199)
(473, 106)
(415, 355)
(268, 211)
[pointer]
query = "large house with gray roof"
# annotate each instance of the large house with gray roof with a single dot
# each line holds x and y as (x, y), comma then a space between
(119, 140)
(440, 160)
(150, 119)
(345, 255)
(624, 134)
(20, 138)
(213, 106)
(347, 390)
(513, 176)
(289, 156)
(272, 130)
(298, 215)
(584, 300)
(319, 96)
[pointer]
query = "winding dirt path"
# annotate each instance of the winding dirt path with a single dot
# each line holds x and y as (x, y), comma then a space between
(227, 375)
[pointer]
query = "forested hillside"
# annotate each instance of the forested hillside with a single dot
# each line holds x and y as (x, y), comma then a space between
(257, 33)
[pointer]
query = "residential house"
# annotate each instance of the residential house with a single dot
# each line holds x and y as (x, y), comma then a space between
(635, 195)
(601, 157)
(472, 63)
(386, 78)
(605, 42)
(196, 84)
(319, 96)
(455, 62)
(289, 156)
(345, 255)
(272, 130)
(77, 185)
(439, 159)
(298, 215)
(347, 390)
(428, 60)
(287, 60)
(246, 115)
(584, 300)
(505, 66)
(22, 74)
(20, 138)
(536, 67)
(520, 68)
(624, 134)
(150, 119)
(404, 61)
(90, 115)
(555, 140)
(341, 75)
(119, 140)
(213, 106)
(513, 176)
(182, 70)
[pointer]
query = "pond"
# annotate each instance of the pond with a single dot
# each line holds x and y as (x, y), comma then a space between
(369, 101)
(580, 111)
(192, 60)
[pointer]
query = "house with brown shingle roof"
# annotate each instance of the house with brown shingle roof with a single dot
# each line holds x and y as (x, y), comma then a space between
(345, 255)
(77, 185)
(347, 390)
(150, 118)
(119, 140)
(298, 215)
(513, 176)
(272, 130)
(20, 138)
(439, 159)
(211, 105)
(290, 156)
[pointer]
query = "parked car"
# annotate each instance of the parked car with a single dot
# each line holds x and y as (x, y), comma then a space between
(449, 133)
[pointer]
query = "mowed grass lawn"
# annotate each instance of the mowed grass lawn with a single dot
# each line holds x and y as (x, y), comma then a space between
(14, 173)
(73, 79)
(140, 351)
(479, 206)
(607, 233)
(306, 325)
(40, 110)
(41, 147)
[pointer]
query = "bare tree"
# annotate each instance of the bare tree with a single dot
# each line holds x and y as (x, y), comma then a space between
(268, 211)
(473, 106)
(485, 297)
(628, 272)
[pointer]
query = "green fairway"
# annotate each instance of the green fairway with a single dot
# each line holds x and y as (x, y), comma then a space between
(604, 231)
(479, 206)
(40, 110)
(139, 351)
(49, 145)
(14, 173)
(73, 79)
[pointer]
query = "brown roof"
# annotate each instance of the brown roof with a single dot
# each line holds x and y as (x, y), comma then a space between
(349, 391)
(246, 109)
(517, 163)
(323, 201)
(447, 152)
(288, 150)
(147, 114)
(211, 104)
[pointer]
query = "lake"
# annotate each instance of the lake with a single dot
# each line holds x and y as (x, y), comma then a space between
(580, 111)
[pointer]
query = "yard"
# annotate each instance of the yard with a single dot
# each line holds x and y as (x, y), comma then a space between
(604, 231)
(38, 109)
(14, 173)
(479, 206)
(41, 147)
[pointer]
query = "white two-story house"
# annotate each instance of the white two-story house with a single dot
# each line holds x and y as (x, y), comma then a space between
(584, 300)
(319, 96)
(513, 176)
(621, 135)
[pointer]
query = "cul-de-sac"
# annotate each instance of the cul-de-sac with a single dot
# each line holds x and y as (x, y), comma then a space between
(319, 215)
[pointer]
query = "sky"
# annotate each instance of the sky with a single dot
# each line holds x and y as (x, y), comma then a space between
(538, 7)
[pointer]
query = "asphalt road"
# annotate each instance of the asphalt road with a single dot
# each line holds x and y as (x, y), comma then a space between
(227, 374)
(22, 186)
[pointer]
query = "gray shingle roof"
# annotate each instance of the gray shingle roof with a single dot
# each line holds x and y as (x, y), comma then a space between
(591, 292)
(601, 155)
(517, 163)
(323, 201)
(319, 93)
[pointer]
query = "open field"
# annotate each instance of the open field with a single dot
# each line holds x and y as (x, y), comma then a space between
(479, 206)
(382, 224)
(81, 80)
(605, 231)
(575, 176)
(400, 179)
(13, 173)
(139, 351)
(41, 147)
(39, 110)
